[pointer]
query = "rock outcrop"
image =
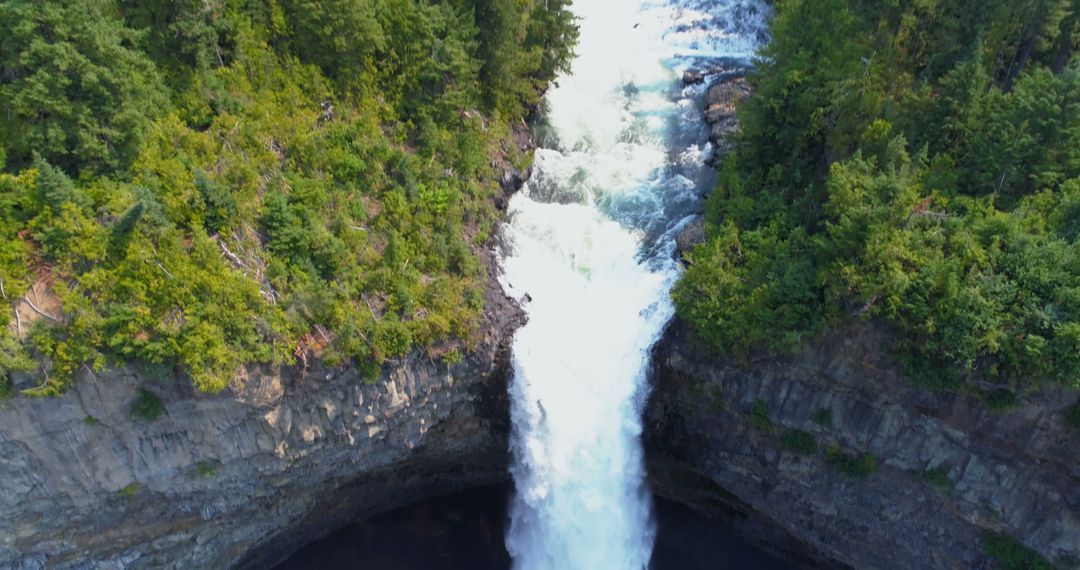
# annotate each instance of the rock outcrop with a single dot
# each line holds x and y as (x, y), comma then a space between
(721, 101)
(242, 478)
(691, 235)
(939, 469)
(726, 89)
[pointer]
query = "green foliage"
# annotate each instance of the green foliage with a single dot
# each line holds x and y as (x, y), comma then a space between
(205, 184)
(854, 465)
(999, 399)
(823, 417)
(147, 406)
(759, 415)
(130, 490)
(74, 90)
(342, 37)
(798, 441)
(91, 421)
(453, 358)
(1071, 416)
(528, 39)
(939, 479)
(1010, 554)
(207, 468)
(916, 164)
(719, 403)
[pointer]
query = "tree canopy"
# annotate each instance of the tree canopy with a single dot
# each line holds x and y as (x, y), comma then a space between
(912, 162)
(206, 184)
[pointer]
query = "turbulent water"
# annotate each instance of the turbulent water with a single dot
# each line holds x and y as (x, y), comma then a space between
(590, 246)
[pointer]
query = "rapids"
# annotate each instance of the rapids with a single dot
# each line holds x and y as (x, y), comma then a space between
(590, 245)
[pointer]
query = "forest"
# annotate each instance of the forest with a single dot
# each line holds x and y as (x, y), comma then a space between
(915, 163)
(199, 185)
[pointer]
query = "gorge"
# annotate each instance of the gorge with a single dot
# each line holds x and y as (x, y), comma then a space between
(587, 416)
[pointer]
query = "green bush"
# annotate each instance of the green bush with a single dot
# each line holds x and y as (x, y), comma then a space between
(147, 406)
(453, 358)
(207, 468)
(1011, 554)
(130, 490)
(854, 465)
(716, 396)
(999, 400)
(798, 441)
(823, 417)
(759, 415)
(1068, 563)
(1072, 417)
(939, 479)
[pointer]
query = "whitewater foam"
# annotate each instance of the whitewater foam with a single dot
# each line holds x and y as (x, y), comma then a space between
(590, 239)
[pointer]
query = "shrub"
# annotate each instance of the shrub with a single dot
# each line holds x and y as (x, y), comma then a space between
(939, 479)
(1068, 562)
(717, 397)
(147, 406)
(1011, 554)
(207, 468)
(130, 490)
(1072, 417)
(854, 465)
(453, 358)
(799, 442)
(759, 415)
(823, 417)
(999, 399)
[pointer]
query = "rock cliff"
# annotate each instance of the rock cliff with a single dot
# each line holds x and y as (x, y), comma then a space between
(844, 456)
(242, 478)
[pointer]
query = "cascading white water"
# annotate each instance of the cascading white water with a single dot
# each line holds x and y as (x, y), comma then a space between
(590, 239)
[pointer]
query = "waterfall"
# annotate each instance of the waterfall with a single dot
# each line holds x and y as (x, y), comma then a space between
(590, 239)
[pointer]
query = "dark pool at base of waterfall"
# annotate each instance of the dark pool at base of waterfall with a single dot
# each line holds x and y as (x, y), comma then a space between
(465, 531)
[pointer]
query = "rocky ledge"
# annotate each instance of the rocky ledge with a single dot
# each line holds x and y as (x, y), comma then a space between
(833, 450)
(242, 478)
(727, 87)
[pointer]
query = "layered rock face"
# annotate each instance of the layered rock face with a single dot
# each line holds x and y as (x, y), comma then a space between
(243, 478)
(719, 436)
(727, 87)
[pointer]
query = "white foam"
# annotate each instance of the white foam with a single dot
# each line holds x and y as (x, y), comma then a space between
(598, 302)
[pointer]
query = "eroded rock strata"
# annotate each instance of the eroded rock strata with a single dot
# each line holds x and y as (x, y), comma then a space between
(242, 478)
(945, 467)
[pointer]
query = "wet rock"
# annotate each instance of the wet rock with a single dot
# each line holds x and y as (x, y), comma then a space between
(720, 66)
(693, 77)
(721, 103)
(690, 236)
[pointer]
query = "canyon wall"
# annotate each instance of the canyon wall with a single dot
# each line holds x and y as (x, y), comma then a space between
(243, 478)
(832, 452)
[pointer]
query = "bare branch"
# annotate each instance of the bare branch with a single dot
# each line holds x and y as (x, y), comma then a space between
(235, 259)
(37, 310)
(162, 267)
